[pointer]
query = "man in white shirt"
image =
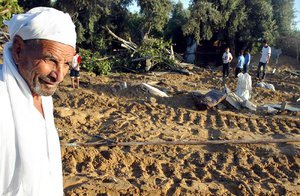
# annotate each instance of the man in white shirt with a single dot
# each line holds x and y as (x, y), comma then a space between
(35, 60)
(226, 58)
(264, 60)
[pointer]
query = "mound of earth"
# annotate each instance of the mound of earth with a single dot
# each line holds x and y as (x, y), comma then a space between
(104, 109)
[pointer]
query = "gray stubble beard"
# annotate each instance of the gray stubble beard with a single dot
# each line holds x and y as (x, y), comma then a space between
(37, 88)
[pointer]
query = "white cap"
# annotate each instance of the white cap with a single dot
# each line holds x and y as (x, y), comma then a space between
(43, 23)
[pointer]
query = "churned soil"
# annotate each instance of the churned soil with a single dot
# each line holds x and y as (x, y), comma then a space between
(104, 109)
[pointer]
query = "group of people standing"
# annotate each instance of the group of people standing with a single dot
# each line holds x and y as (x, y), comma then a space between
(244, 59)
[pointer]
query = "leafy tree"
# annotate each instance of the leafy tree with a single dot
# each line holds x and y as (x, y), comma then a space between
(260, 23)
(91, 16)
(173, 31)
(232, 21)
(134, 24)
(283, 14)
(155, 14)
(85, 15)
(7, 8)
(204, 20)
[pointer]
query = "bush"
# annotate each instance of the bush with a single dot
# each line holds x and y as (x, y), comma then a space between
(157, 50)
(92, 62)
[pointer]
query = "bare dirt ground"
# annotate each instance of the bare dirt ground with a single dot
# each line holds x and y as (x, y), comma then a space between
(101, 108)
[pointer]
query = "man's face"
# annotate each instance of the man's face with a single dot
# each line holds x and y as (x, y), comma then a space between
(42, 63)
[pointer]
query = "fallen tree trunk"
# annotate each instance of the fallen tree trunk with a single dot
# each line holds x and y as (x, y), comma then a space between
(179, 69)
(5, 35)
(142, 58)
(203, 142)
(128, 44)
(4, 11)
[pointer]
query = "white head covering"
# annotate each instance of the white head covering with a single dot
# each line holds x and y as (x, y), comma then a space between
(43, 23)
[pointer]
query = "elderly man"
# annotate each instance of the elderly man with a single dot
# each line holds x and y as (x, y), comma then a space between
(36, 60)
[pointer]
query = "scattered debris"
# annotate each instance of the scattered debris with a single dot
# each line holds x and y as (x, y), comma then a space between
(154, 91)
(209, 100)
(286, 106)
(183, 71)
(221, 106)
(215, 97)
(295, 73)
(267, 109)
(233, 99)
(266, 85)
(283, 106)
(248, 104)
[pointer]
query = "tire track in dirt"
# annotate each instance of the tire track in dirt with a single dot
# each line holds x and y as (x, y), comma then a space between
(172, 170)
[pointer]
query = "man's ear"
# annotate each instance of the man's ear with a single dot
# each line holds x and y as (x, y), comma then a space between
(17, 47)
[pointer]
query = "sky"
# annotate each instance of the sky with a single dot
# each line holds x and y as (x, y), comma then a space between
(134, 8)
(297, 10)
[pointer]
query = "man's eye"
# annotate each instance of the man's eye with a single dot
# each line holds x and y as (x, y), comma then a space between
(68, 64)
(50, 61)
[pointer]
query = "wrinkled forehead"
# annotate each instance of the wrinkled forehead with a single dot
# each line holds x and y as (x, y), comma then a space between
(50, 48)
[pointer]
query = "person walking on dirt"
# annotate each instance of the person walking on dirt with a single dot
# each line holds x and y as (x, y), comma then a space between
(75, 71)
(240, 64)
(264, 60)
(226, 58)
(247, 57)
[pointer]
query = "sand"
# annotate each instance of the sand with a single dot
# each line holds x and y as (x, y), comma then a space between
(103, 108)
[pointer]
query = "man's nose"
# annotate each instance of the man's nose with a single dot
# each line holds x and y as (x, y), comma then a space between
(57, 74)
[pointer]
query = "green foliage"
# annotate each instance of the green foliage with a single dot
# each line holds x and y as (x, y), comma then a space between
(103, 67)
(91, 16)
(204, 21)
(232, 21)
(101, 45)
(92, 62)
(260, 23)
(134, 24)
(234, 17)
(155, 14)
(173, 31)
(7, 8)
(283, 14)
(156, 49)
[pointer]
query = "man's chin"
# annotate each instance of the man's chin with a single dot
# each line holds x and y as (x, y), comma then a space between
(44, 91)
